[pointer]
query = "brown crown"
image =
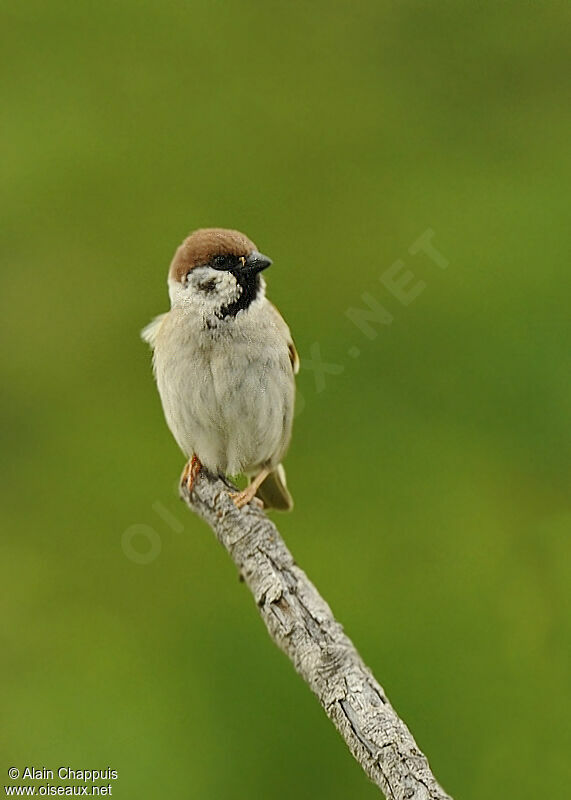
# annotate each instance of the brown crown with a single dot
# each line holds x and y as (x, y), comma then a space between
(203, 244)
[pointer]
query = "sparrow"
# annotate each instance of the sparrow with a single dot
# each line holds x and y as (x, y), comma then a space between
(224, 362)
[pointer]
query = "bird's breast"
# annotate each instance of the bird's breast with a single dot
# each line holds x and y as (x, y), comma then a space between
(227, 393)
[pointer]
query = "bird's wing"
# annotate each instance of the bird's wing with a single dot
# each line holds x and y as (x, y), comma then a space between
(150, 331)
(283, 327)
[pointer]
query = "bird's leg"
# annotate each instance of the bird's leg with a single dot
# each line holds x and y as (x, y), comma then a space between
(246, 495)
(191, 470)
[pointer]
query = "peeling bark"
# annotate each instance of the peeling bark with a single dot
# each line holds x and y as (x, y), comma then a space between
(303, 626)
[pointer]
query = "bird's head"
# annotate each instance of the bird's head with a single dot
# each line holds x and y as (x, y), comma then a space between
(217, 271)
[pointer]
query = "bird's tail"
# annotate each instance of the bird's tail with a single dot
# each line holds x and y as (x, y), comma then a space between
(273, 492)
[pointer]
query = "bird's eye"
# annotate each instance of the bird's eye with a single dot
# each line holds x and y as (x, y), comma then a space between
(220, 261)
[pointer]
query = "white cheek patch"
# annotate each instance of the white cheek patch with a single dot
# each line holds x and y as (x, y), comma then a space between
(205, 292)
(176, 292)
(221, 285)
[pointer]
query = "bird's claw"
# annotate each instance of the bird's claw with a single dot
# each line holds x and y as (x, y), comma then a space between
(190, 473)
(240, 499)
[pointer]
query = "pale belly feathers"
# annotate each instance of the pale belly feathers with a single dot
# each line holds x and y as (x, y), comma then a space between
(227, 400)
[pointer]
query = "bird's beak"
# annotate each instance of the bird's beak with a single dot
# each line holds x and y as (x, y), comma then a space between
(255, 262)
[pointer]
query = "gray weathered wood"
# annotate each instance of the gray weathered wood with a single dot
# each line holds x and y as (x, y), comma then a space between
(301, 623)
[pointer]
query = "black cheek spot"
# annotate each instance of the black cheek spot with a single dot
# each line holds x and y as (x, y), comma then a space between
(208, 286)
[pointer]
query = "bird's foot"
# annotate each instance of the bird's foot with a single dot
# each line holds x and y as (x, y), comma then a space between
(190, 473)
(248, 494)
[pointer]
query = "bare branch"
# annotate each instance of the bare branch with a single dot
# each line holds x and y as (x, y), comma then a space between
(302, 625)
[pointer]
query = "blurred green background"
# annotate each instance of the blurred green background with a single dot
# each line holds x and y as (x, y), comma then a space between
(430, 474)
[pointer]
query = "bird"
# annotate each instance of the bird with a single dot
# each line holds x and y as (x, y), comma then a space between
(225, 363)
